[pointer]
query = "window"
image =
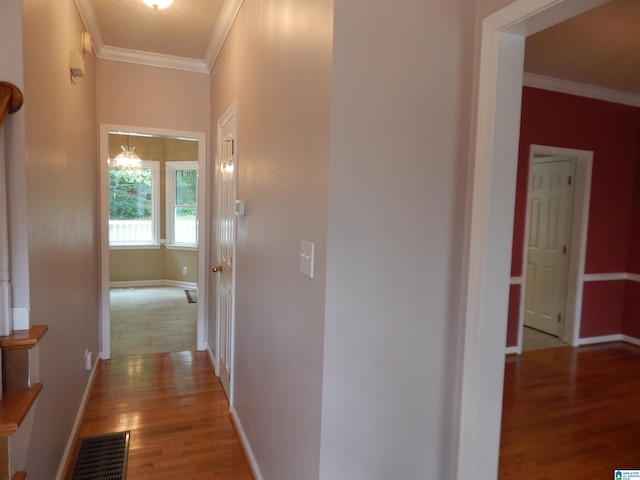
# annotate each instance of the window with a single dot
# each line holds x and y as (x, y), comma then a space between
(182, 199)
(133, 206)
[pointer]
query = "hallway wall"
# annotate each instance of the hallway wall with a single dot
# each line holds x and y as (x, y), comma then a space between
(402, 78)
(276, 66)
(61, 207)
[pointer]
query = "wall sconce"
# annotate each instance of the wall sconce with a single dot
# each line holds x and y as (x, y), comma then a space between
(76, 64)
(76, 59)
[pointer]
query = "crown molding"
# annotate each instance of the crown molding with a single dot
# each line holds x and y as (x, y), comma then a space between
(152, 59)
(90, 21)
(227, 16)
(580, 89)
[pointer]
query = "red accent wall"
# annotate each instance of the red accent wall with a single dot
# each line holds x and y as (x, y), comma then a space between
(612, 132)
(514, 309)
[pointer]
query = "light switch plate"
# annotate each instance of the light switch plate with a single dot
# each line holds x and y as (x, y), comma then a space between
(306, 257)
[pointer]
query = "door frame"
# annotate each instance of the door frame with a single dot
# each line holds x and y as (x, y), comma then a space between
(570, 332)
(203, 237)
(488, 237)
(230, 114)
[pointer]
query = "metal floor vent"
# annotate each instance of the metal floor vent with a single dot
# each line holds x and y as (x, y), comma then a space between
(102, 458)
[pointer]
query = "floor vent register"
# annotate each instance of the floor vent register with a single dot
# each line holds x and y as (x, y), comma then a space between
(102, 458)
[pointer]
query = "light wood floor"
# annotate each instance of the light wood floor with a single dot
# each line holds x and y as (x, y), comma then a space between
(177, 414)
(571, 412)
(151, 320)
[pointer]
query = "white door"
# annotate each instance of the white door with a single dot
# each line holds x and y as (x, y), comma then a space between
(550, 206)
(225, 248)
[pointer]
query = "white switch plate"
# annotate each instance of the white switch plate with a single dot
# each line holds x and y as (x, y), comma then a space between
(306, 257)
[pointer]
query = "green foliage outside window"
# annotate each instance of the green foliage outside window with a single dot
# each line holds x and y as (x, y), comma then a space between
(186, 192)
(130, 194)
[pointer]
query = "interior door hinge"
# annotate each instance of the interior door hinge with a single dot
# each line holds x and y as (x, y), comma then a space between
(569, 180)
(559, 317)
(564, 249)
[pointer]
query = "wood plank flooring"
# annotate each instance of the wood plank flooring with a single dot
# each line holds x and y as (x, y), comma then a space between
(571, 412)
(177, 414)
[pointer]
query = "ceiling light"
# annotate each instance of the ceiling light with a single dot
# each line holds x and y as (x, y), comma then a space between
(158, 4)
(127, 159)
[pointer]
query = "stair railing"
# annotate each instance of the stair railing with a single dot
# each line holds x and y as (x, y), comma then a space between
(11, 100)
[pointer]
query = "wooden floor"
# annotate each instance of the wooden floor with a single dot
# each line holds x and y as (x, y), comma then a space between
(177, 414)
(571, 412)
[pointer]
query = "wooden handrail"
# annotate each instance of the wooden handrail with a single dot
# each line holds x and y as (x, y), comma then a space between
(11, 100)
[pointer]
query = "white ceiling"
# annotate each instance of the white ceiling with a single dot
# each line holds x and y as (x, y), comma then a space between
(187, 35)
(600, 47)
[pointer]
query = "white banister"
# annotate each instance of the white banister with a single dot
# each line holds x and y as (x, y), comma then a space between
(11, 100)
(5, 277)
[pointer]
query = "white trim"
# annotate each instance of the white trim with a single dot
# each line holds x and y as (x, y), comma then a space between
(516, 281)
(225, 21)
(212, 357)
(226, 18)
(610, 277)
(203, 210)
(602, 339)
(489, 231)
(90, 20)
(78, 421)
(632, 340)
(513, 350)
(21, 318)
(245, 444)
(152, 59)
(171, 169)
(580, 89)
(180, 246)
(134, 246)
(153, 283)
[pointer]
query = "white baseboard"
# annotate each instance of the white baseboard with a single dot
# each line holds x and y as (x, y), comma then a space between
(153, 283)
(632, 340)
(212, 358)
(603, 339)
(511, 350)
(78, 421)
(245, 444)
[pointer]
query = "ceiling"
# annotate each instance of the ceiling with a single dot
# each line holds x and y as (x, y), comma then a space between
(600, 47)
(187, 35)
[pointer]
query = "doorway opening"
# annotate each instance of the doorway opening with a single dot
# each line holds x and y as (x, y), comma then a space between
(490, 229)
(554, 247)
(153, 238)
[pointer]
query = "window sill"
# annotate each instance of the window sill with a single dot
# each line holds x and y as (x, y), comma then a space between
(177, 246)
(149, 246)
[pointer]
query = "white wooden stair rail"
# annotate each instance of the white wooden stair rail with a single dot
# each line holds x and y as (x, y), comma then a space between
(11, 100)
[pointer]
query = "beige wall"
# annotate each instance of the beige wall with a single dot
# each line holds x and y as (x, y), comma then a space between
(276, 64)
(61, 181)
(153, 264)
(144, 96)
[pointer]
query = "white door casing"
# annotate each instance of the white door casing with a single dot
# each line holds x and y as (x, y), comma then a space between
(225, 248)
(550, 203)
(203, 238)
(498, 95)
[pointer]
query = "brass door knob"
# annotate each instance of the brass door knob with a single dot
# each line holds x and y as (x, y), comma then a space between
(217, 268)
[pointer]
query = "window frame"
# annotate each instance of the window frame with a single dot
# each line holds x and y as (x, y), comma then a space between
(154, 166)
(171, 168)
